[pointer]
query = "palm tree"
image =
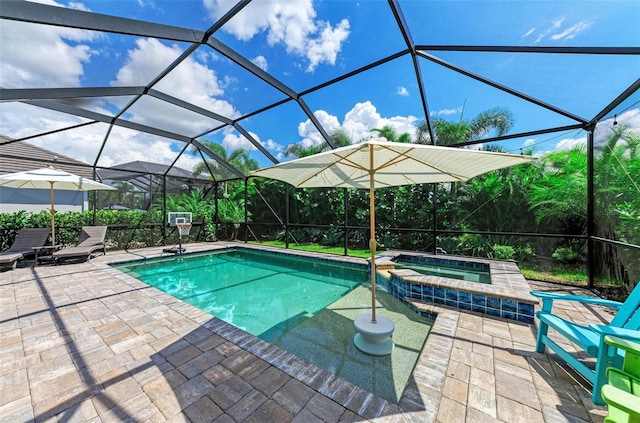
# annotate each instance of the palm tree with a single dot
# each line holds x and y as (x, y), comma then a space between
(338, 136)
(390, 134)
(450, 133)
(238, 158)
(496, 119)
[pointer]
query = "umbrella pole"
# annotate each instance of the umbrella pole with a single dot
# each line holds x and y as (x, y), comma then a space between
(372, 237)
(53, 226)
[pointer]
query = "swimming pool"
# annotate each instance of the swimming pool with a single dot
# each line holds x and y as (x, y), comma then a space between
(302, 304)
(252, 290)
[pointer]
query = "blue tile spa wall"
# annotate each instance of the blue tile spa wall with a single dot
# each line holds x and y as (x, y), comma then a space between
(481, 303)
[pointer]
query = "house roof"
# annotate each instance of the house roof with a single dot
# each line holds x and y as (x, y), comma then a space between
(22, 156)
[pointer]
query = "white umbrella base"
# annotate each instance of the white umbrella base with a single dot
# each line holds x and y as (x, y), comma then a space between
(373, 338)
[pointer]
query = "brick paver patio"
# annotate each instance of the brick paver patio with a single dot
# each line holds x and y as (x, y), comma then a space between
(85, 343)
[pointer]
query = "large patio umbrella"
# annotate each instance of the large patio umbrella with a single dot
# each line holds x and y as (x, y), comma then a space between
(379, 164)
(51, 178)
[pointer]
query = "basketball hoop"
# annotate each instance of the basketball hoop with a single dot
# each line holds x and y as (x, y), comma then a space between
(183, 228)
(182, 221)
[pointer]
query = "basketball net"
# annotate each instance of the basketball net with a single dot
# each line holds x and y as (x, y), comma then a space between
(183, 228)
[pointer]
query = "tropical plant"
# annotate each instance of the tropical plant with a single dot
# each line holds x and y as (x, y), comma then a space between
(617, 201)
(497, 120)
(238, 158)
(391, 135)
(339, 138)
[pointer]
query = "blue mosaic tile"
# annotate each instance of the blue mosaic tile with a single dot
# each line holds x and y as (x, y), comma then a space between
(510, 306)
(525, 319)
(451, 295)
(428, 315)
(464, 297)
(509, 309)
(478, 308)
(427, 298)
(493, 311)
(416, 292)
(479, 300)
(525, 309)
(508, 315)
(493, 302)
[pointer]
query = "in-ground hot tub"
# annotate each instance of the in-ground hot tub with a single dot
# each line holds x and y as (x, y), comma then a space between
(505, 295)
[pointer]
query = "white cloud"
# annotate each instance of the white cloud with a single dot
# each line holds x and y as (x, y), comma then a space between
(358, 123)
(569, 143)
(35, 56)
(261, 62)
(84, 143)
(446, 112)
(190, 81)
(126, 146)
(630, 119)
(529, 32)
(21, 120)
(402, 91)
(309, 133)
(325, 48)
(572, 31)
(291, 23)
(556, 32)
(233, 140)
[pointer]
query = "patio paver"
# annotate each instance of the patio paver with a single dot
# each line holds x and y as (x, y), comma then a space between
(84, 342)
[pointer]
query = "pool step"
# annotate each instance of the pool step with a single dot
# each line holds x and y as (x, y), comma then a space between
(421, 307)
(384, 273)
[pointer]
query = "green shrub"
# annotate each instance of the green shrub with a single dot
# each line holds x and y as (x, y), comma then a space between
(502, 252)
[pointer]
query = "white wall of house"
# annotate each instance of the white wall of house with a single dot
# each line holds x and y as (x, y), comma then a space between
(36, 200)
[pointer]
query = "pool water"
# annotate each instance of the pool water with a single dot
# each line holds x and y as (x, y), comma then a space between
(303, 305)
(451, 269)
(252, 290)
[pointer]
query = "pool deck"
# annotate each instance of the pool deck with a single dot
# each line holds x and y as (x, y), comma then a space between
(85, 343)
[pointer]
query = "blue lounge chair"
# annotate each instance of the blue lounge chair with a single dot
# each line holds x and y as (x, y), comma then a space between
(590, 338)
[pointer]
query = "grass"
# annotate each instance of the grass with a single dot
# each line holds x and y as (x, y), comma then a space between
(317, 248)
(556, 273)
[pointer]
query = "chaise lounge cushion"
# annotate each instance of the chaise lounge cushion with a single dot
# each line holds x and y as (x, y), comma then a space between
(10, 259)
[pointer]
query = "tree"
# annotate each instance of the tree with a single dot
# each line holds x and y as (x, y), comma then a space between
(390, 134)
(338, 136)
(447, 133)
(497, 119)
(559, 198)
(238, 158)
(617, 203)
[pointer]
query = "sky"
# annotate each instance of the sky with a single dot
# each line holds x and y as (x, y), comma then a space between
(304, 44)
